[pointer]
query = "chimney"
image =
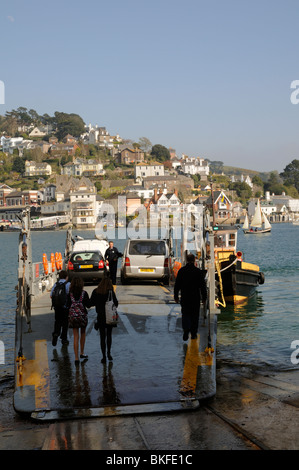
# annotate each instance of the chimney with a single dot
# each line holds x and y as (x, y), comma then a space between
(175, 192)
(155, 194)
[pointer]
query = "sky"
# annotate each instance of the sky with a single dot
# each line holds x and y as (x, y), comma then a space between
(207, 78)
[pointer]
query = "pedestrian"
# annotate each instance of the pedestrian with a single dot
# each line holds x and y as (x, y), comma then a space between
(59, 295)
(111, 255)
(98, 299)
(190, 281)
(78, 302)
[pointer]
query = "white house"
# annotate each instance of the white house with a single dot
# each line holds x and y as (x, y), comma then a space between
(9, 144)
(242, 179)
(81, 166)
(33, 168)
(48, 193)
(99, 136)
(83, 206)
(142, 171)
(195, 166)
(168, 202)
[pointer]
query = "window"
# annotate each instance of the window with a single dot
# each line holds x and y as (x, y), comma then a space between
(148, 247)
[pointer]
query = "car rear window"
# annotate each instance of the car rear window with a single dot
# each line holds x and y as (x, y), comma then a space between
(86, 256)
(149, 247)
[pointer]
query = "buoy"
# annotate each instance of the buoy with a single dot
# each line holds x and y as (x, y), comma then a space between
(52, 262)
(59, 261)
(176, 267)
(57, 264)
(45, 264)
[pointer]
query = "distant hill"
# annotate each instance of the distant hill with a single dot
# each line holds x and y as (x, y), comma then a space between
(234, 170)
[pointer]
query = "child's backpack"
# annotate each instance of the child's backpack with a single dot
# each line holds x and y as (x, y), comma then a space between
(77, 312)
(59, 295)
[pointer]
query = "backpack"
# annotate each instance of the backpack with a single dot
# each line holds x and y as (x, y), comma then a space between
(77, 313)
(59, 295)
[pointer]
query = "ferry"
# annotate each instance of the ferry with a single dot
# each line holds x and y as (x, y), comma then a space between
(153, 369)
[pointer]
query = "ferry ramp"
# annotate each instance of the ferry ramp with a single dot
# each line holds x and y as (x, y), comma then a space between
(153, 369)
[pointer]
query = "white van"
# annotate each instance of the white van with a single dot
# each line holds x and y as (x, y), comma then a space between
(145, 259)
(91, 245)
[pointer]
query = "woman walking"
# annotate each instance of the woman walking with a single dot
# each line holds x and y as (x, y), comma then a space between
(78, 301)
(98, 299)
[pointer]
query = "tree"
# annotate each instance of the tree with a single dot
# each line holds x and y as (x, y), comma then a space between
(160, 153)
(290, 174)
(18, 165)
(243, 190)
(68, 124)
(216, 166)
(145, 144)
(274, 183)
(258, 181)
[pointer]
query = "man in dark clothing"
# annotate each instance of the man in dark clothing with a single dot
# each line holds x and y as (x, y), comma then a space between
(61, 311)
(190, 281)
(112, 254)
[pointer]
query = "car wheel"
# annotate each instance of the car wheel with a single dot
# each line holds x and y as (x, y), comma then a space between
(166, 281)
(123, 280)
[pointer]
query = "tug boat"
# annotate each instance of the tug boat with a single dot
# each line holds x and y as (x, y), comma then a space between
(236, 280)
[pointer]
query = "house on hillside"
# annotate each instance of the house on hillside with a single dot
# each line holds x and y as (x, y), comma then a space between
(83, 167)
(242, 179)
(195, 166)
(142, 171)
(129, 156)
(163, 202)
(222, 205)
(37, 169)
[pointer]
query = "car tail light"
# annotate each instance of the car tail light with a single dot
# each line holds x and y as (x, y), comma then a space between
(127, 261)
(101, 264)
(166, 263)
(70, 266)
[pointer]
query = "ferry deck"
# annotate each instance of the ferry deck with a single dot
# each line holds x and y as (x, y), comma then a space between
(153, 369)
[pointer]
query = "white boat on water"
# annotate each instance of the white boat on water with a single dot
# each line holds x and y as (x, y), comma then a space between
(259, 224)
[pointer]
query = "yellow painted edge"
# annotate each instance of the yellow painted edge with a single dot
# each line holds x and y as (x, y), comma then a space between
(249, 266)
(36, 372)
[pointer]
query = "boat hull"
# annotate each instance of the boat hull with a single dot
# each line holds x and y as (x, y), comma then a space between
(239, 281)
(257, 232)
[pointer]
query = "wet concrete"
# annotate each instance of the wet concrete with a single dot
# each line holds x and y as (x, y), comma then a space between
(249, 412)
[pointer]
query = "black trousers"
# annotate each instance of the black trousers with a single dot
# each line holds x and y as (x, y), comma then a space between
(190, 318)
(113, 271)
(106, 338)
(61, 323)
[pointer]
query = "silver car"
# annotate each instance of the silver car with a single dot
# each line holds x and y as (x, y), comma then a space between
(145, 259)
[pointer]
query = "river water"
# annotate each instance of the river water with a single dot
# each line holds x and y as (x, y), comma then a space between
(258, 335)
